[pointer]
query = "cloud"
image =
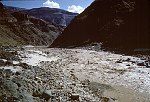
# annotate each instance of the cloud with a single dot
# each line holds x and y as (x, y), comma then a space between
(75, 9)
(51, 4)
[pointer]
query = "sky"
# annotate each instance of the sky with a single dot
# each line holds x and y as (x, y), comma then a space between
(76, 6)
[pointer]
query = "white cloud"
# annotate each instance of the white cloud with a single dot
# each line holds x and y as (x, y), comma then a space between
(51, 4)
(76, 9)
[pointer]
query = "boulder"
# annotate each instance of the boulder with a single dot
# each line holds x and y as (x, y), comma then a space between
(47, 94)
(141, 64)
(2, 63)
(8, 63)
(24, 65)
(74, 96)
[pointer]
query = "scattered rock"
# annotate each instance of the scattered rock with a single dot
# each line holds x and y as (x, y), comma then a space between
(2, 63)
(8, 99)
(47, 94)
(104, 99)
(128, 59)
(17, 73)
(37, 94)
(119, 61)
(9, 55)
(147, 63)
(24, 65)
(8, 73)
(74, 96)
(8, 63)
(141, 64)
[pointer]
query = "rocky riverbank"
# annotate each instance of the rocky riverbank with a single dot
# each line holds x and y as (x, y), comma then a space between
(40, 74)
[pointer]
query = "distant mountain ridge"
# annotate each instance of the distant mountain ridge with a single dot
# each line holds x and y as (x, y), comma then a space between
(14, 8)
(117, 24)
(52, 15)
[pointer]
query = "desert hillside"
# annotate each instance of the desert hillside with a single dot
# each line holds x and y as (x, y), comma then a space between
(118, 25)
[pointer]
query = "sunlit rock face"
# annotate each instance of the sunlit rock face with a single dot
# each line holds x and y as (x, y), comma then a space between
(118, 24)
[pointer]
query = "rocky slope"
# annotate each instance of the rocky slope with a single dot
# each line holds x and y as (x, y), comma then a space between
(119, 24)
(19, 28)
(52, 15)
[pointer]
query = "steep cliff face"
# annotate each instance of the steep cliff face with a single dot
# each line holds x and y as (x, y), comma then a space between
(118, 24)
(52, 15)
(19, 28)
